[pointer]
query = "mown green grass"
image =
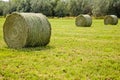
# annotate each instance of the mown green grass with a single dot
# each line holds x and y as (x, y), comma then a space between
(74, 53)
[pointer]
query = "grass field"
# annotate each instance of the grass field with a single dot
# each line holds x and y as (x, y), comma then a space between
(74, 53)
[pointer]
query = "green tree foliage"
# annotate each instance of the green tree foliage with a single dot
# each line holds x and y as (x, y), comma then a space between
(114, 8)
(62, 8)
(87, 7)
(77, 7)
(1, 7)
(23, 5)
(12, 6)
(54, 4)
(101, 7)
(41, 6)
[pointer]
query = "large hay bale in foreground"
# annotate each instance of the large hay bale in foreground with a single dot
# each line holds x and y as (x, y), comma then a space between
(83, 20)
(110, 19)
(26, 30)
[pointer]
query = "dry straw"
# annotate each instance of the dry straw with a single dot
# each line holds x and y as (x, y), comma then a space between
(83, 20)
(110, 19)
(26, 30)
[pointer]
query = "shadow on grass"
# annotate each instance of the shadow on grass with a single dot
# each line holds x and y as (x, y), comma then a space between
(30, 49)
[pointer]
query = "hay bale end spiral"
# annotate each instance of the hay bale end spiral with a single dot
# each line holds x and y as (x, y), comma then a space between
(110, 20)
(26, 30)
(83, 20)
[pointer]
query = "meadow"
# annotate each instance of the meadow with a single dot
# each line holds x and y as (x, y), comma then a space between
(74, 53)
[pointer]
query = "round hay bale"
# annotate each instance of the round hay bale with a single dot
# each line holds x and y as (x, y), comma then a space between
(83, 20)
(26, 30)
(110, 20)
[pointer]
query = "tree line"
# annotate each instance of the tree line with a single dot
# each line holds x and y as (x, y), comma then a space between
(61, 8)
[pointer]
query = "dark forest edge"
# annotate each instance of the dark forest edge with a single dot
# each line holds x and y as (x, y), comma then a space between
(62, 8)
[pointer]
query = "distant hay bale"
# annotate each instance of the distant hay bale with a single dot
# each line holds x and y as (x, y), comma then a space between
(83, 20)
(110, 19)
(26, 30)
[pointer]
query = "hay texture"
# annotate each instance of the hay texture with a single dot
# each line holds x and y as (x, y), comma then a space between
(110, 20)
(26, 30)
(83, 20)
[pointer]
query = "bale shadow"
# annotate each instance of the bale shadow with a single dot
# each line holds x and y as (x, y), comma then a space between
(30, 49)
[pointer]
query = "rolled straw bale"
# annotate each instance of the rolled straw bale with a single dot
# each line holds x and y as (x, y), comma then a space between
(83, 20)
(110, 19)
(26, 30)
